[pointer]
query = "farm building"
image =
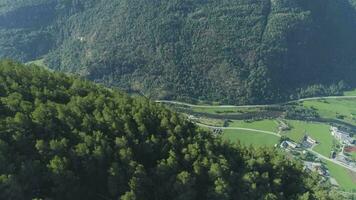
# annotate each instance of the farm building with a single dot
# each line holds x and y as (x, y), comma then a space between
(308, 142)
(288, 144)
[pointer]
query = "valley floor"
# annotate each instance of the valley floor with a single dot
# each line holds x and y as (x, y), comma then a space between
(269, 125)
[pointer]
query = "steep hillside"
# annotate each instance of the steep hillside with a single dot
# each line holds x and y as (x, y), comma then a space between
(65, 138)
(244, 51)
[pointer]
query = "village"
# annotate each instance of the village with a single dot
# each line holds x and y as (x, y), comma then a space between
(322, 148)
(313, 161)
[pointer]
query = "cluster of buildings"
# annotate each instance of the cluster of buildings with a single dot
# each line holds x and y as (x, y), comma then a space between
(313, 164)
(306, 142)
(342, 137)
(347, 142)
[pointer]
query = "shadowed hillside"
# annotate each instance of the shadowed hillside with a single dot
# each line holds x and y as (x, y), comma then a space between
(237, 52)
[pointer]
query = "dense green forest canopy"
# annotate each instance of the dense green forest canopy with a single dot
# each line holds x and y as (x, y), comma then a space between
(232, 51)
(65, 138)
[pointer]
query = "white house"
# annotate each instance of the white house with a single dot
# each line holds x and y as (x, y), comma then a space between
(309, 140)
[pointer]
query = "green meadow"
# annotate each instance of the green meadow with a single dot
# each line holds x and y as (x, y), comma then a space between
(353, 155)
(248, 138)
(350, 93)
(342, 176)
(317, 131)
(266, 125)
(340, 109)
(223, 110)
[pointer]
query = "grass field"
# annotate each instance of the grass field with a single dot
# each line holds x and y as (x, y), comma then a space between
(341, 175)
(217, 110)
(251, 138)
(211, 121)
(350, 93)
(266, 125)
(317, 131)
(341, 109)
(353, 155)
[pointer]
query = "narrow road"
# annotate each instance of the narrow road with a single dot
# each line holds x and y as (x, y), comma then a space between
(251, 106)
(278, 135)
(332, 160)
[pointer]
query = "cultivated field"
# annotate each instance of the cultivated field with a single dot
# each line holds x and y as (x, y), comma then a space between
(317, 131)
(223, 110)
(247, 138)
(350, 93)
(266, 125)
(338, 109)
(342, 176)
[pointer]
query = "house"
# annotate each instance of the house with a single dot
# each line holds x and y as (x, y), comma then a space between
(289, 144)
(308, 142)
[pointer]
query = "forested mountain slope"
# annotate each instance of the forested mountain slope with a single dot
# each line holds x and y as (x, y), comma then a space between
(233, 51)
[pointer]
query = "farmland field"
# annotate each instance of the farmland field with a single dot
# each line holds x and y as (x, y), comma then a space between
(341, 109)
(317, 131)
(266, 125)
(353, 155)
(211, 121)
(247, 138)
(350, 93)
(342, 176)
(222, 110)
